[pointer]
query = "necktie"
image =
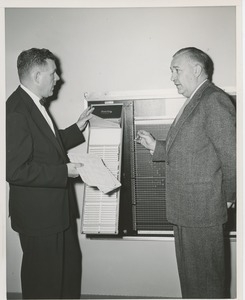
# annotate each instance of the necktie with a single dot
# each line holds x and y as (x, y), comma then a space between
(43, 101)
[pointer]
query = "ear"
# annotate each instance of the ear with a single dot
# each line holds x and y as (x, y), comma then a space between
(197, 70)
(35, 75)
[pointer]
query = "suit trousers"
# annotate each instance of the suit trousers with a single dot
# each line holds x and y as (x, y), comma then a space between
(201, 261)
(51, 265)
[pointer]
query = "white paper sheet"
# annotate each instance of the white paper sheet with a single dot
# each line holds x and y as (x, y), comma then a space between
(94, 172)
(96, 121)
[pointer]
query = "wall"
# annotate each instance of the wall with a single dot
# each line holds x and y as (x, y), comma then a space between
(117, 50)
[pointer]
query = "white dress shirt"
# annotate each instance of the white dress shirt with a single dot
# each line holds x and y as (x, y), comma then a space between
(42, 109)
(183, 107)
(186, 102)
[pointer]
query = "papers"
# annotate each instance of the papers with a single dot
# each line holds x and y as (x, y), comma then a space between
(94, 172)
(96, 121)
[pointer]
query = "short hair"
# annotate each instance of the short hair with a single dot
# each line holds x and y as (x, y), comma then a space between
(32, 57)
(199, 56)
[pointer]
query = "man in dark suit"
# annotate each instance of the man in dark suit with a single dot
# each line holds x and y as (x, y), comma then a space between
(42, 205)
(200, 157)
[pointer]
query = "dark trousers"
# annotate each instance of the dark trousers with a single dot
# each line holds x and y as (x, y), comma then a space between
(51, 266)
(201, 262)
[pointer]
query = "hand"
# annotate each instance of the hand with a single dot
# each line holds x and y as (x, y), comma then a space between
(84, 118)
(72, 169)
(146, 140)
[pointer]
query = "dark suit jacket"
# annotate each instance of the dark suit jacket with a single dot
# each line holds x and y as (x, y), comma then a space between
(41, 199)
(200, 156)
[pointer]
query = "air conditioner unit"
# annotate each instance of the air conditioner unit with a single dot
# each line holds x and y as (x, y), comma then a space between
(138, 207)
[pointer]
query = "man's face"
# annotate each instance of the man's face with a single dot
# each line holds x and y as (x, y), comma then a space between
(183, 75)
(47, 79)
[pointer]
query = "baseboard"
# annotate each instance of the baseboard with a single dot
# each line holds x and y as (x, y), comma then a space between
(18, 296)
(117, 297)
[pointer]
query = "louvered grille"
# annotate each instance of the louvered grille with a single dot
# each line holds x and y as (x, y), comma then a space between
(100, 211)
(149, 213)
(110, 154)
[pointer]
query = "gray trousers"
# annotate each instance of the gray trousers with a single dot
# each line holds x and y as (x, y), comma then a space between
(201, 262)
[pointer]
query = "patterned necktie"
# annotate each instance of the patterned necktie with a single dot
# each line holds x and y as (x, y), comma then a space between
(43, 101)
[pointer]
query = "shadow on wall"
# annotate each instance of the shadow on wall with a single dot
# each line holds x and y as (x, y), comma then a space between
(59, 83)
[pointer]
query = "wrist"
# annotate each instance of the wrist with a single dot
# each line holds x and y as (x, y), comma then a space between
(77, 123)
(153, 146)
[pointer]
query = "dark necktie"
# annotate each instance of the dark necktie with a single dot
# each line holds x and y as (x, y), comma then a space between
(43, 101)
(45, 114)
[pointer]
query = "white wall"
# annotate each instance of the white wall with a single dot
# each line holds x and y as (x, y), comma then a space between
(117, 50)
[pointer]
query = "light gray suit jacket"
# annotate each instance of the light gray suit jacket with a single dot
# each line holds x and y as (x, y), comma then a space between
(200, 156)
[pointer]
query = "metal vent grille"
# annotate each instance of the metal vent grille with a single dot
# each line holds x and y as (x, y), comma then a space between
(149, 213)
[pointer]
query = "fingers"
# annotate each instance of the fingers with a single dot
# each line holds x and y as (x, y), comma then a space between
(73, 169)
(88, 111)
(86, 114)
(89, 117)
(143, 133)
(84, 118)
(146, 139)
(78, 165)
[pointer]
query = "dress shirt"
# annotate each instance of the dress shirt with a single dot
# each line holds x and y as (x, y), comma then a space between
(197, 88)
(183, 107)
(186, 102)
(42, 109)
(181, 110)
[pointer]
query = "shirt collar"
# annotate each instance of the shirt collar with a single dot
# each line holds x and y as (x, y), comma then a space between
(198, 88)
(34, 97)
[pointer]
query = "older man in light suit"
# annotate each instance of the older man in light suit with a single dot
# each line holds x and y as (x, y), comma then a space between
(200, 157)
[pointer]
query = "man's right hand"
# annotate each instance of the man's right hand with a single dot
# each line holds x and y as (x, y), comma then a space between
(72, 169)
(146, 140)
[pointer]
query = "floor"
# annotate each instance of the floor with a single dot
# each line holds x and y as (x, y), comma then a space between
(17, 296)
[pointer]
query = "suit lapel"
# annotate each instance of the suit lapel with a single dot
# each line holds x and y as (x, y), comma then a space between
(42, 123)
(57, 136)
(190, 107)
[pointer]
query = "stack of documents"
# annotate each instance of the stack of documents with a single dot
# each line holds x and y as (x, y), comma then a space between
(94, 172)
(96, 121)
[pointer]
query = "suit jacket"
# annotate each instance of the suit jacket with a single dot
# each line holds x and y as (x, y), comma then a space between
(200, 156)
(41, 199)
